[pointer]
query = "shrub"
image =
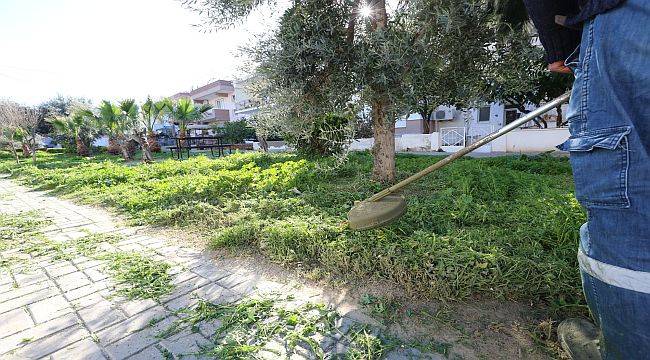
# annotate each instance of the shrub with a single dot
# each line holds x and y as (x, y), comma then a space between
(235, 132)
(328, 135)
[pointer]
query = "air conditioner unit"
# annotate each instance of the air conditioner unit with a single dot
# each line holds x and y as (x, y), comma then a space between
(443, 114)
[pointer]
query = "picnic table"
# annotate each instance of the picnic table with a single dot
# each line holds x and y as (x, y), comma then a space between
(201, 143)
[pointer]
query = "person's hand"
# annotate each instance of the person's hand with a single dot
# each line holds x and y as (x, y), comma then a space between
(559, 67)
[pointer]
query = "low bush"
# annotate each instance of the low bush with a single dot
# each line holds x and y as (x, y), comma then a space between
(503, 227)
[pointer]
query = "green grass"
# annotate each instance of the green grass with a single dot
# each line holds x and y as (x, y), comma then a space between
(503, 227)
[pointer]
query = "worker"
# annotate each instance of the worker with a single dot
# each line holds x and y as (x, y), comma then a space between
(606, 45)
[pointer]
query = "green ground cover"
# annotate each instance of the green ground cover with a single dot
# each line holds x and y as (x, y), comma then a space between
(135, 274)
(504, 227)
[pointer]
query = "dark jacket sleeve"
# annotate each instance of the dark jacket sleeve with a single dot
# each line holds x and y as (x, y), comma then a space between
(558, 41)
(592, 8)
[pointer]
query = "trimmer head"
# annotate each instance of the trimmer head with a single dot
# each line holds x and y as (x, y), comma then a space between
(371, 214)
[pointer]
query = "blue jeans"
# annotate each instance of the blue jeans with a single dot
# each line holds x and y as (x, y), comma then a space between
(609, 118)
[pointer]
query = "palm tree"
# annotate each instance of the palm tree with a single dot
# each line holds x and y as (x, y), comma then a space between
(126, 125)
(73, 126)
(150, 113)
(184, 111)
(108, 120)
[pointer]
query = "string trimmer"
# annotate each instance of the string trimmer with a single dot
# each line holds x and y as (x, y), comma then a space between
(386, 206)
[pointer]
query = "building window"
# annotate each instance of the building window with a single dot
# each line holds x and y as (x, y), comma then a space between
(484, 114)
(218, 104)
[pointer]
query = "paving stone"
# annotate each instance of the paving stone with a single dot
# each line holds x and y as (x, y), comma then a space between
(48, 345)
(90, 264)
(12, 292)
(153, 243)
(80, 260)
(245, 288)
(132, 307)
(208, 328)
(100, 316)
(184, 301)
(149, 353)
(184, 345)
(85, 348)
(185, 287)
(84, 291)
(61, 270)
(132, 324)
(6, 283)
(77, 234)
(232, 280)
(49, 308)
(95, 274)
(37, 332)
(15, 321)
(26, 279)
(89, 300)
(27, 299)
(274, 349)
(131, 247)
(135, 342)
(183, 276)
(211, 272)
(72, 281)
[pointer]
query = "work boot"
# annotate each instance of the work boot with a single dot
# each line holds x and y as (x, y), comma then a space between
(579, 338)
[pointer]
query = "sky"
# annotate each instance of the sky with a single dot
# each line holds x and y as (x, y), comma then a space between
(113, 49)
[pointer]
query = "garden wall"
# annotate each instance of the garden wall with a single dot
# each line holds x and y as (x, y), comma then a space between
(517, 141)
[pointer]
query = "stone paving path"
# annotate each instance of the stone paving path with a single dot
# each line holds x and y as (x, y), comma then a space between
(69, 309)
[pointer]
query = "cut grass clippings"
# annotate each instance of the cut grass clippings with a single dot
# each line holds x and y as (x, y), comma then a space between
(276, 327)
(504, 227)
(137, 275)
(246, 327)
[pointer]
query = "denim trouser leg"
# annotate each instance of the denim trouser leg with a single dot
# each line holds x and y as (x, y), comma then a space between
(608, 116)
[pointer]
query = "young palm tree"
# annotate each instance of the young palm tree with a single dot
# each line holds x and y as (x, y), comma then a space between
(150, 113)
(126, 125)
(73, 125)
(185, 111)
(108, 121)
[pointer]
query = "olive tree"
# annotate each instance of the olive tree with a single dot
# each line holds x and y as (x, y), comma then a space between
(330, 56)
(20, 123)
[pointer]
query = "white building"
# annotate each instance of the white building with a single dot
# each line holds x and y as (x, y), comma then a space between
(452, 129)
(245, 103)
(220, 94)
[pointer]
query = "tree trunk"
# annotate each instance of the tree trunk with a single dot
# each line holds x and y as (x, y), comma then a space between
(82, 149)
(263, 144)
(128, 149)
(426, 128)
(13, 148)
(152, 142)
(125, 148)
(34, 145)
(383, 151)
(143, 141)
(113, 146)
(560, 121)
(27, 152)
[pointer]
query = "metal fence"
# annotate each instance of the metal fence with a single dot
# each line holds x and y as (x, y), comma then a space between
(452, 136)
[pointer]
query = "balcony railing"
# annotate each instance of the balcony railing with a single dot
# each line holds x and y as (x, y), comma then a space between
(217, 115)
